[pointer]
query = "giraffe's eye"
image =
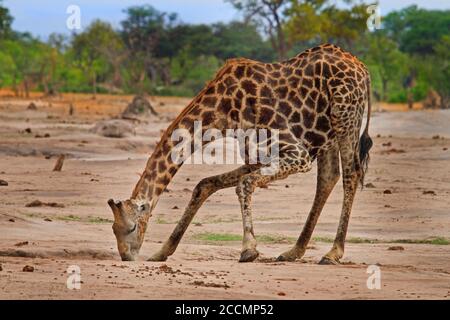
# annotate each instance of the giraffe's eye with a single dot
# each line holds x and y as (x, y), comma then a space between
(143, 207)
(133, 229)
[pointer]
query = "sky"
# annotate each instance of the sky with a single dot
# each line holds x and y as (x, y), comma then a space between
(46, 16)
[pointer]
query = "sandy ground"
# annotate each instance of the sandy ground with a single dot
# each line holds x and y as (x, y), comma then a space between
(410, 159)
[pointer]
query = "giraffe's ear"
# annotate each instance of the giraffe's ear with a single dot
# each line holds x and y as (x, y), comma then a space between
(112, 204)
(115, 207)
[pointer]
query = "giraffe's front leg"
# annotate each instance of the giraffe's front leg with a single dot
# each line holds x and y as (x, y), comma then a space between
(293, 159)
(244, 190)
(202, 191)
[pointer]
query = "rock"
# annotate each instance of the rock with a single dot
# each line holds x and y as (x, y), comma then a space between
(1, 268)
(27, 130)
(175, 207)
(396, 248)
(3, 182)
(429, 192)
(21, 244)
(28, 268)
(387, 191)
(12, 220)
(113, 128)
(282, 294)
(370, 185)
(48, 219)
(387, 144)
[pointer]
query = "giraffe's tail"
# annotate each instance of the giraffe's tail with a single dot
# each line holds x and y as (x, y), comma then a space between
(365, 142)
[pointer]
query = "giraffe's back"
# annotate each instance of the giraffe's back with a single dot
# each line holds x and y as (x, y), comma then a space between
(299, 97)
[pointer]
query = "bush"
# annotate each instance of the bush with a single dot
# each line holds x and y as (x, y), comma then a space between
(397, 97)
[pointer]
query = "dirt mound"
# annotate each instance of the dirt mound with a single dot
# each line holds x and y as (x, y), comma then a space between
(139, 106)
(64, 253)
(113, 128)
(32, 106)
(433, 100)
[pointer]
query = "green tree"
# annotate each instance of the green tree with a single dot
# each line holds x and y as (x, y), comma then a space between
(145, 33)
(440, 70)
(98, 50)
(269, 15)
(5, 22)
(239, 39)
(319, 21)
(417, 30)
(389, 61)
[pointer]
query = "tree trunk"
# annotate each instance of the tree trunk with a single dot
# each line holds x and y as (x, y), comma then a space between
(117, 78)
(94, 86)
(445, 101)
(26, 88)
(385, 88)
(15, 89)
(410, 99)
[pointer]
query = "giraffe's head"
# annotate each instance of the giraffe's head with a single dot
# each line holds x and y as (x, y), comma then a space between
(130, 223)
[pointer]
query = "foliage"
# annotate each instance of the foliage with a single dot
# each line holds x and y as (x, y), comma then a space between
(269, 15)
(417, 30)
(324, 21)
(154, 52)
(5, 22)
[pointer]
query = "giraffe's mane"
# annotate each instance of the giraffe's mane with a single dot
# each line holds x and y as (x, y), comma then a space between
(223, 70)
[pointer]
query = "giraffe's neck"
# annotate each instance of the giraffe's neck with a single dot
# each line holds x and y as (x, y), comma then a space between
(161, 168)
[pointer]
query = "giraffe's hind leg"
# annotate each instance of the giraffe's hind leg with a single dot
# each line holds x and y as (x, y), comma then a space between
(350, 177)
(327, 177)
(202, 191)
(294, 160)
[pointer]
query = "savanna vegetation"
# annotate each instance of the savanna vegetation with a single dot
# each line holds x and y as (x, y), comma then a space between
(154, 52)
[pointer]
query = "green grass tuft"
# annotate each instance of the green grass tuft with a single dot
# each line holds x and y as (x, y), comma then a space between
(441, 241)
(224, 237)
(92, 219)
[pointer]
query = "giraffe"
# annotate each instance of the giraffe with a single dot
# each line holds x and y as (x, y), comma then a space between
(316, 100)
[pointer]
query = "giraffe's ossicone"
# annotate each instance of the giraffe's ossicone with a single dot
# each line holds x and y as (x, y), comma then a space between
(315, 100)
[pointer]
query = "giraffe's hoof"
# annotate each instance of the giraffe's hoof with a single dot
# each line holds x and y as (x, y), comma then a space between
(249, 255)
(157, 257)
(290, 255)
(285, 258)
(328, 261)
(289, 258)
